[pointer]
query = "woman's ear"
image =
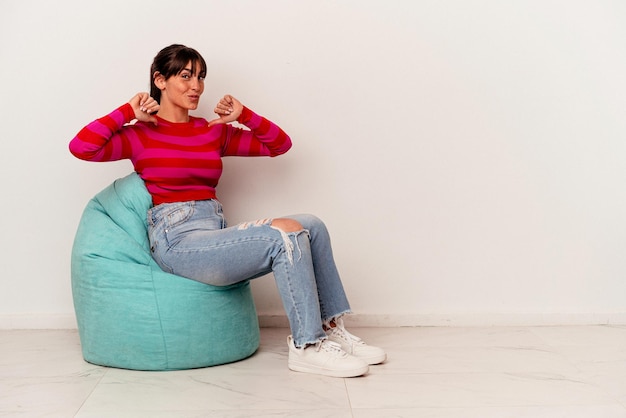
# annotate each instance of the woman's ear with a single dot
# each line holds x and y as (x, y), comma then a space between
(159, 80)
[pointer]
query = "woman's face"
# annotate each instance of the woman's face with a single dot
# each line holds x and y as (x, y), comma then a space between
(185, 88)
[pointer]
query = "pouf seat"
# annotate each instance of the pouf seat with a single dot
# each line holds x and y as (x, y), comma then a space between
(130, 313)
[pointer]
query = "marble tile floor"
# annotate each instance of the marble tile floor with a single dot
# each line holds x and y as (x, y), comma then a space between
(434, 372)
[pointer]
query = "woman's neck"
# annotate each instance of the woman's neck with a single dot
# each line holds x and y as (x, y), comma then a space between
(173, 114)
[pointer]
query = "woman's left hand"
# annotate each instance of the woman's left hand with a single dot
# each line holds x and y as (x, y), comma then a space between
(227, 109)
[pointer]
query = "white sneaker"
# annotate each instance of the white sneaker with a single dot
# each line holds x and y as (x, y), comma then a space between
(325, 358)
(352, 344)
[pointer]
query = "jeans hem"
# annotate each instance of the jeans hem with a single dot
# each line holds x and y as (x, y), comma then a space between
(337, 316)
(307, 343)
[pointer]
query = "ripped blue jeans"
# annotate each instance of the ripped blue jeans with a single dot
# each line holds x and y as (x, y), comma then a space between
(192, 240)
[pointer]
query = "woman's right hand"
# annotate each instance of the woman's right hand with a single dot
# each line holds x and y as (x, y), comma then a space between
(144, 106)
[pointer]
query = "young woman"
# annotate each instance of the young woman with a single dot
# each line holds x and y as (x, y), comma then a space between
(178, 156)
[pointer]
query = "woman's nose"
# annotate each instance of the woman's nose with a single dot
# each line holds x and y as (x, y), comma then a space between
(195, 83)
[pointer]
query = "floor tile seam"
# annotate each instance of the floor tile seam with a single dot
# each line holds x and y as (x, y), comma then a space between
(93, 389)
(345, 386)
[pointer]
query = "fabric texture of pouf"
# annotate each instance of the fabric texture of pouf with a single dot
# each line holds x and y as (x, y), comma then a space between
(130, 313)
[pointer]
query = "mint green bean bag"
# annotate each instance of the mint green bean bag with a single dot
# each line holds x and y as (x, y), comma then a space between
(130, 313)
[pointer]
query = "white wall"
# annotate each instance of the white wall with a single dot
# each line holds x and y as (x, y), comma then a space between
(468, 156)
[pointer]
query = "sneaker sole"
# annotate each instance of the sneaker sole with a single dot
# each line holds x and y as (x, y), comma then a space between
(306, 368)
(374, 360)
(371, 360)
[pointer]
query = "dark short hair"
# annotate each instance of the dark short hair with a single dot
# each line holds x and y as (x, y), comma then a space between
(170, 61)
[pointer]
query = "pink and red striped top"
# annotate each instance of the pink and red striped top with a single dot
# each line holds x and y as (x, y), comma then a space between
(177, 161)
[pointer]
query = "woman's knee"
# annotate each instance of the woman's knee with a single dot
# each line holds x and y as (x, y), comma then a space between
(287, 224)
(311, 223)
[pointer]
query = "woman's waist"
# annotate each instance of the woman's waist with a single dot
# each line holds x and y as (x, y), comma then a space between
(177, 212)
(171, 195)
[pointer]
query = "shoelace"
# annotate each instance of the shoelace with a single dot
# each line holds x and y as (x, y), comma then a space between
(329, 346)
(340, 329)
